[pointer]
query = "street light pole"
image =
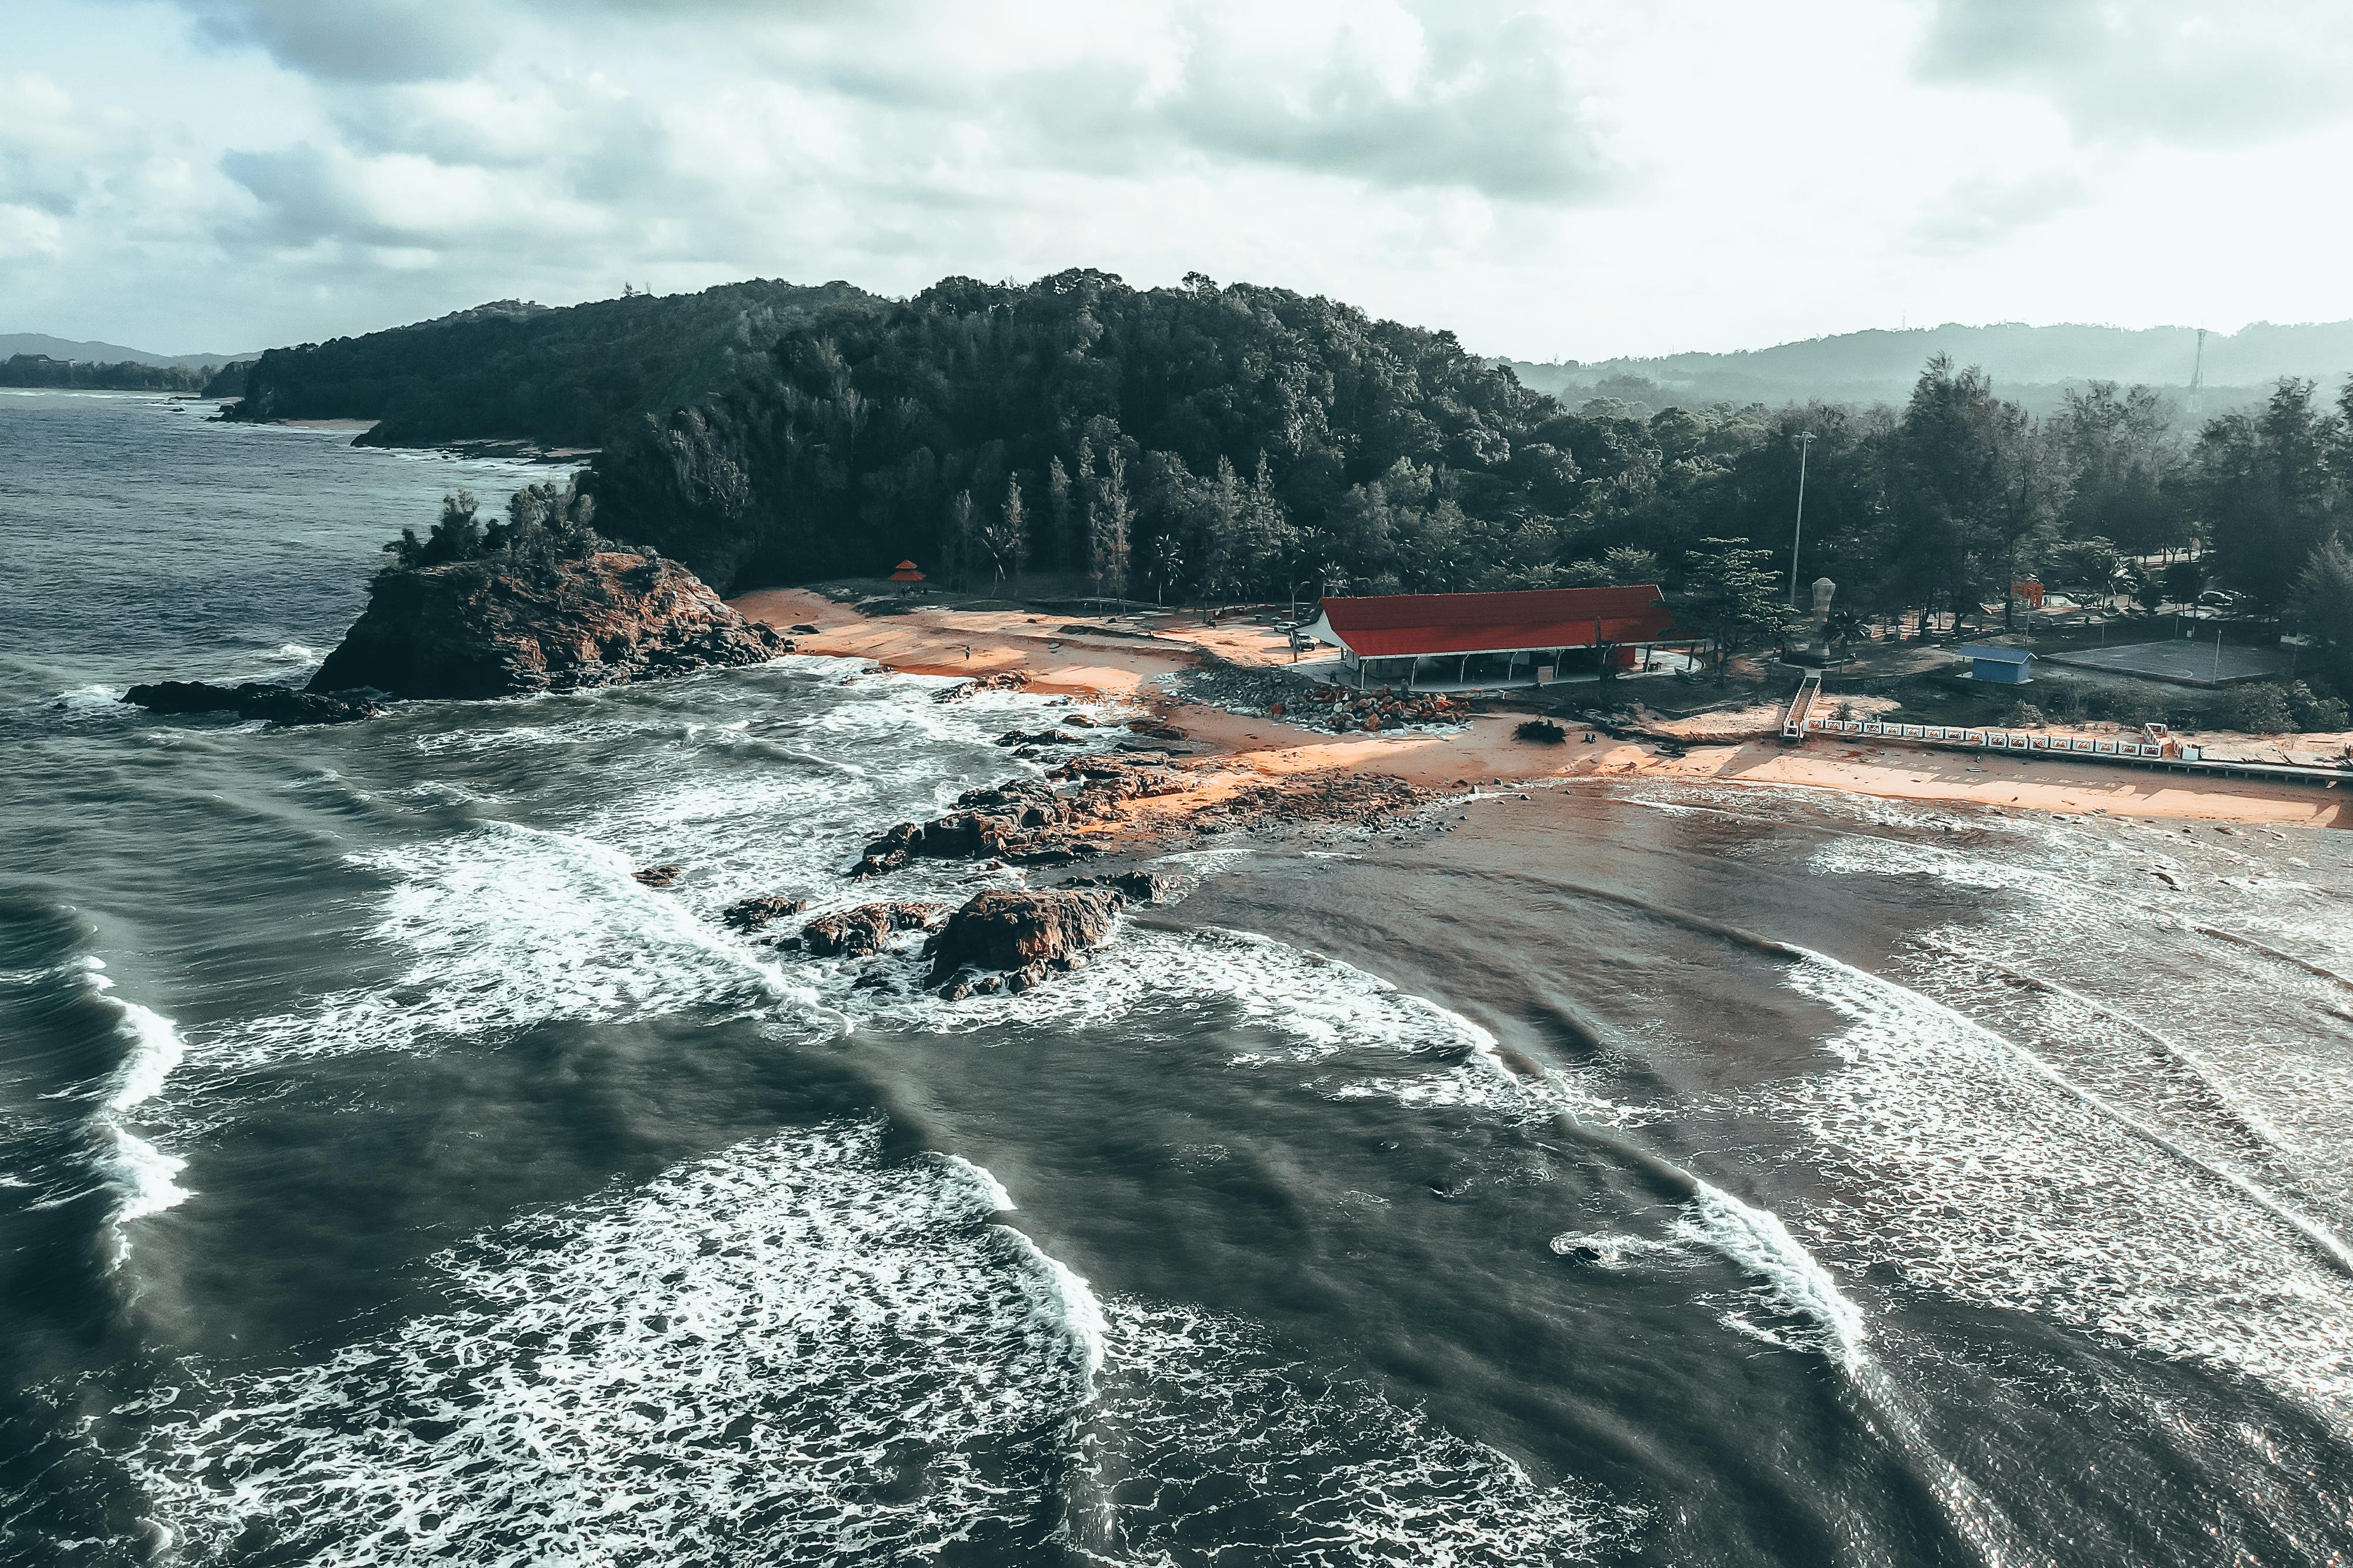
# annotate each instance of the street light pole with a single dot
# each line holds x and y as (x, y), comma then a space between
(1796, 537)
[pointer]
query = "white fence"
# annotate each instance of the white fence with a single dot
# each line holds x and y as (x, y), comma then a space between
(1992, 740)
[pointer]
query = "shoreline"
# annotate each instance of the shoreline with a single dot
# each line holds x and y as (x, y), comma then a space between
(1232, 751)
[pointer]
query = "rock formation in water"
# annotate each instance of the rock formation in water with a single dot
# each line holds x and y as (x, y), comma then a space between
(854, 933)
(253, 700)
(1021, 935)
(489, 628)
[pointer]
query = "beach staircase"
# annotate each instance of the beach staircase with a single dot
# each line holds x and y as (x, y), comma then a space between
(1801, 706)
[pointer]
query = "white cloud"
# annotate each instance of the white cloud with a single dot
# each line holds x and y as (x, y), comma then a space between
(1544, 177)
(2199, 73)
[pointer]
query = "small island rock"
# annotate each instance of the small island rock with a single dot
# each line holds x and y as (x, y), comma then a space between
(491, 629)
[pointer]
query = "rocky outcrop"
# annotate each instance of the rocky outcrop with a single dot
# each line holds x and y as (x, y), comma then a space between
(854, 933)
(1137, 887)
(755, 913)
(254, 699)
(1022, 935)
(490, 628)
(1024, 822)
(1009, 681)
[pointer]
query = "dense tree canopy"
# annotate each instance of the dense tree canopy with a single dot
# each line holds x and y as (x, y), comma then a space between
(127, 375)
(559, 377)
(1214, 442)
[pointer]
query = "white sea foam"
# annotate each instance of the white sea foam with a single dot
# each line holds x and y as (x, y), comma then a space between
(744, 1361)
(507, 926)
(1322, 1012)
(1981, 1172)
(1195, 1405)
(1615, 1250)
(145, 1178)
(792, 1351)
(1791, 1283)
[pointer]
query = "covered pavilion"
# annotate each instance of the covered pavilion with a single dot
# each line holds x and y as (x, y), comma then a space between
(1487, 642)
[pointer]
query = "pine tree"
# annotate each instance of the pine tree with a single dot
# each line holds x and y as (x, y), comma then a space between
(1735, 593)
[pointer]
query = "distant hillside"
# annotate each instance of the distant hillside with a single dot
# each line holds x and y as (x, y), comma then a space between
(90, 376)
(15, 343)
(2032, 364)
(1233, 439)
(514, 370)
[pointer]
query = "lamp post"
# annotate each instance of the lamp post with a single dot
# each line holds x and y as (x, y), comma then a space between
(1796, 537)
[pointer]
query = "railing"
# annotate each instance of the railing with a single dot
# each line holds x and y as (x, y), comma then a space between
(1991, 740)
(1799, 717)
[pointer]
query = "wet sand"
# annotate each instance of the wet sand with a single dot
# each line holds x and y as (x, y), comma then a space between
(1722, 749)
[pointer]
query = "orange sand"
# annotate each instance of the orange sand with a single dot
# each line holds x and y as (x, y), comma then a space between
(933, 641)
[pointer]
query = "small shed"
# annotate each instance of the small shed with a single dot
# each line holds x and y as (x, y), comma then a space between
(906, 573)
(2001, 665)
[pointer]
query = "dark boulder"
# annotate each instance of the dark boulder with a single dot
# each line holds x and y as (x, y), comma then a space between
(656, 876)
(854, 933)
(261, 699)
(755, 913)
(1137, 887)
(1023, 934)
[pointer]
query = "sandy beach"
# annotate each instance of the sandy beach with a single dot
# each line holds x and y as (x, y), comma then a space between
(1721, 749)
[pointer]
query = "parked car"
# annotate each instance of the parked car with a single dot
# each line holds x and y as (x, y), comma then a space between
(2216, 599)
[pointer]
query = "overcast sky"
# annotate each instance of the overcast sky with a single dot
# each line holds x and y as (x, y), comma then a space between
(1577, 179)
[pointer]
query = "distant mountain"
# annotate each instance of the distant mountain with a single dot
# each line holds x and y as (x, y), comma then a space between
(14, 344)
(2033, 364)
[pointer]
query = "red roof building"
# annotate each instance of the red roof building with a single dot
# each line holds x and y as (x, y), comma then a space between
(1460, 641)
(906, 573)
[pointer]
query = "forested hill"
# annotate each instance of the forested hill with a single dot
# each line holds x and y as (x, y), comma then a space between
(1201, 439)
(2034, 366)
(524, 371)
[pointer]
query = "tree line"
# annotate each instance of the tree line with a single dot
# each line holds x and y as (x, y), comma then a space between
(513, 370)
(1217, 442)
(87, 376)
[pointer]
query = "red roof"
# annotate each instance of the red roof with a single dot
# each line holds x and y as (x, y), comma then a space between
(1391, 625)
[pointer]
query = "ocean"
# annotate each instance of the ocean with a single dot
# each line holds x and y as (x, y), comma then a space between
(1630, 1172)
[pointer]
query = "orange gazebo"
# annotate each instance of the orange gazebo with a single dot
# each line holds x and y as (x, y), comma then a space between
(906, 573)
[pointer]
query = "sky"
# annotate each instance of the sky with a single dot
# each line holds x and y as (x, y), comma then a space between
(1568, 180)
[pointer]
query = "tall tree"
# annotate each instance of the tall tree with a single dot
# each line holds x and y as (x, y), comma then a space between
(960, 540)
(2266, 488)
(1109, 515)
(2323, 603)
(1733, 591)
(1058, 516)
(2118, 451)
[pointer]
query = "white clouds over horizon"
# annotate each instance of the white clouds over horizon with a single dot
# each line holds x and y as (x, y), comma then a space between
(1546, 178)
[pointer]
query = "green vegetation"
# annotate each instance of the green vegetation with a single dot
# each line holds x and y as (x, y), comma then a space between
(523, 372)
(1209, 443)
(544, 524)
(127, 376)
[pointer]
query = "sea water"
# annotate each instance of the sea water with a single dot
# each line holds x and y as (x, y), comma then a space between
(1642, 1172)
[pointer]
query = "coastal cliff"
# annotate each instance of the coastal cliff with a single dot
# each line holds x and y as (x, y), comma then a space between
(493, 628)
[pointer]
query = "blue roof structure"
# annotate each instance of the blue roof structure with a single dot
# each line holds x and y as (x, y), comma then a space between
(2001, 665)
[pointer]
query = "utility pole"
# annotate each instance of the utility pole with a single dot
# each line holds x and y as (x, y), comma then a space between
(1805, 443)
